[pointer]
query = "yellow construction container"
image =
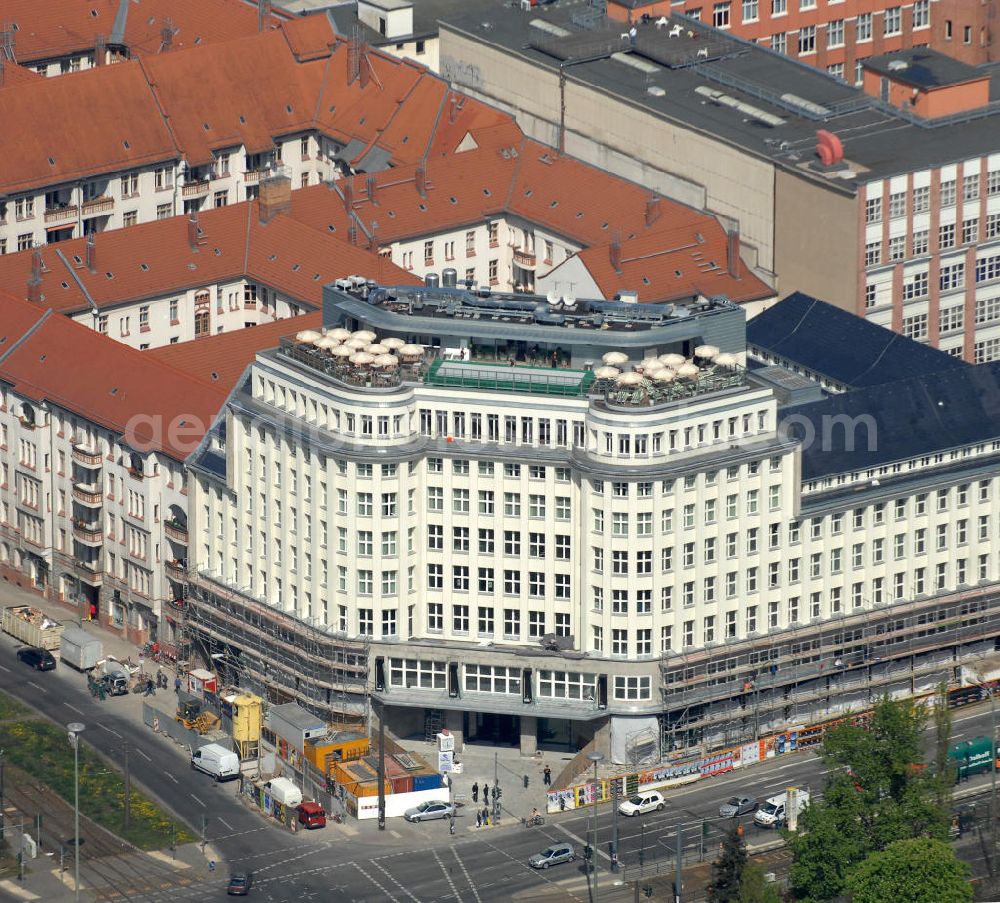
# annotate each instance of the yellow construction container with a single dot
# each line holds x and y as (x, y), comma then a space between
(341, 746)
(248, 720)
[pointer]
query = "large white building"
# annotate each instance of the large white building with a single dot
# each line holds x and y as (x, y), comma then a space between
(534, 552)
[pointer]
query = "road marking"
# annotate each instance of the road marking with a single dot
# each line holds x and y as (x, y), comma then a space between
(141, 753)
(5, 668)
(172, 778)
(373, 881)
(468, 878)
(395, 834)
(70, 705)
(198, 801)
(447, 877)
(580, 840)
(109, 730)
(33, 684)
(220, 818)
(12, 888)
(394, 881)
(169, 860)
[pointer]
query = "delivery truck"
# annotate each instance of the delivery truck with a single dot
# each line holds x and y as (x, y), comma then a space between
(773, 813)
(215, 760)
(971, 757)
(31, 626)
(284, 791)
(80, 649)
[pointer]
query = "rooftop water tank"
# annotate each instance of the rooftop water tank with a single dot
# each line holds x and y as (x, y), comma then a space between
(431, 280)
(449, 278)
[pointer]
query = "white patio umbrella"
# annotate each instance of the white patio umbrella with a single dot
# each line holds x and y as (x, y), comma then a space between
(393, 343)
(377, 348)
(356, 343)
(688, 370)
(366, 335)
(341, 351)
(307, 336)
(648, 362)
(339, 333)
(327, 341)
(614, 357)
(607, 372)
(386, 360)
(726, 359)
(672, 359)
(664, 376)
(706, 351)
(411, 350)
(362, 358)
(630, 379)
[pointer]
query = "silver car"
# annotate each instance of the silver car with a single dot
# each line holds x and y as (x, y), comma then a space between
(553, 855)
(428, 810)
(738, 805)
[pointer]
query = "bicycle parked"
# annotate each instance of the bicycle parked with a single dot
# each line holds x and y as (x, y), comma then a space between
(533, 820)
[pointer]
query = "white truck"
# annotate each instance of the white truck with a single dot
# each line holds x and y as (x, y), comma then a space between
(215, 760)
(774, 812)
(284, 791)
(80, 649)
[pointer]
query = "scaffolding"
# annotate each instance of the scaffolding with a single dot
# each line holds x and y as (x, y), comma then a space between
(285, 659)
(730, 691)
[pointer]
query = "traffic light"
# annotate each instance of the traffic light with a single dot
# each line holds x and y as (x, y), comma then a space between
(497, 792)
(525, 782)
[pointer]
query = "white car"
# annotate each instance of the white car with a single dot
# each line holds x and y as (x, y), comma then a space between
(648, 801)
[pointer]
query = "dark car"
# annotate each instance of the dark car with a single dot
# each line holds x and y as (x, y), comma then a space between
(239, 885)
(39, 659)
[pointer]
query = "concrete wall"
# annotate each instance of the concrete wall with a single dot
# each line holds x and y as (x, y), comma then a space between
(629, 140)
(820, 259)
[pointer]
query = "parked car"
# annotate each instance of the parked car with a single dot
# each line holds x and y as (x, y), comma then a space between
(240, 884)
(648, 801)
(737, 806)
(39, 659)
(428, 810)
(553, 855)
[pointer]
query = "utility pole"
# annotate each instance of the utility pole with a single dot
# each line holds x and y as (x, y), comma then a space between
(128, 791)
(204, 832)
(680, 863)
(2, 803)
(615, 797)
(381, 769)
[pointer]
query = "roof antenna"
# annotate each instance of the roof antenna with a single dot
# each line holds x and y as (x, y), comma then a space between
(615, 251)
(354, 56)
(263, 13)
(91, 253)
(166, 35)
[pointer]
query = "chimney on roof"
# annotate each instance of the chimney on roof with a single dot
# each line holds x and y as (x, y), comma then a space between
(349, 193)
(373, 236)
(615, 251)
(370, 183)
(733, 252)
(453, 109)
(35, 280)
(275, 196)
(263, 13)
(100, 50)
(193, 231)
(91, 253)
(652, 209)
(7, 43)
(421, 179)
(166, 35)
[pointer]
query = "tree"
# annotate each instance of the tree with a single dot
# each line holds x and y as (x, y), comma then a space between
(921, 870)
(877, 792)
(727, 870)
(944, 768)
(754, 887)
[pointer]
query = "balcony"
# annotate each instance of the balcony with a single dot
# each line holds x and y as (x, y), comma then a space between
(90, 572)
(177, 569)
(87, 458)
(89, 533)
(253, 176)
(524, 260)
(196, 189)
(60, 214)
(97, 206)
(88, 495)
(176, 531)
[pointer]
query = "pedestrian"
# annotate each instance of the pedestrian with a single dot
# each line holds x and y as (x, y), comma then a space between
(486, 817)
(150, 689)
(479, 819)
(547, 776)
(177, 685)
(475, 792)
(486, 793)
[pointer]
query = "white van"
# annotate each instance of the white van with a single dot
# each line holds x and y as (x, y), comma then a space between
(284, 791)
(772, 814)
(217, 761)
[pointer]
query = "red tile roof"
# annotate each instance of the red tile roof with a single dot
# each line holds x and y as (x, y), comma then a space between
(55, 28)
(154, 259)
(222, 358)
(84, 135)
(152, 404)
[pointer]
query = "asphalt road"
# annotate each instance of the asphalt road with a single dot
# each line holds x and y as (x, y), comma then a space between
(409, 862)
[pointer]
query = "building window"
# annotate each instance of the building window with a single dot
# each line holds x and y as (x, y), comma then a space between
(921, 242)
(921, 14)
(948, 193)
(779, 7)
(873, 210)
(632, 688)
(494, 270)
(893, 20)
(952, 319)
(779, 42)
(863, 28)
(873, 253)
(988, 268)
(807, 40)
(915, 327)
(720, 15)
(970, 187)
(412, 673)
(946, 236)
(952, 276)
(835, 33)
(751, 10)
(987, 310)
(897, 247)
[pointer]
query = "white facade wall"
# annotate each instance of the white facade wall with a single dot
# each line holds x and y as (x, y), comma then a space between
(476, 539)
(78, 504)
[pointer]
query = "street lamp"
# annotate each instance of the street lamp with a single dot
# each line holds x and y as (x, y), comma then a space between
(595, 757)
(75, 729)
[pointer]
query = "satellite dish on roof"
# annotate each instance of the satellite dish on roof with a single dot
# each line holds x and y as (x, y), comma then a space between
(552, 297)
(569, 300)
(898, 65)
